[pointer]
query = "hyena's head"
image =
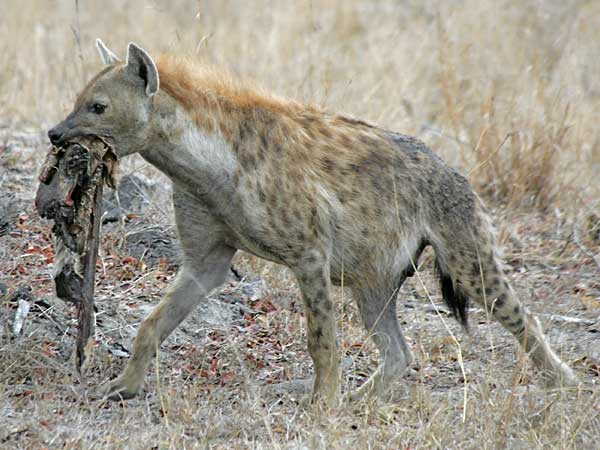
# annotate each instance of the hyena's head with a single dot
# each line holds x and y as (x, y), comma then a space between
(116, 104)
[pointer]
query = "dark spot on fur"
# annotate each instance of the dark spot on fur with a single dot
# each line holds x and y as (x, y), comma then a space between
(308, 120)
(345, 141)
(368, 141)
(500, 301)
(325, 132)
(272, 200)
(518, 323)
(243, 131)
(377, 162)
(328, 164)
(516, 309)
(318, 333)
(261, 195)
(260, 153)
(311, 259)
(263, 140)
(285, 219)
(314, 310)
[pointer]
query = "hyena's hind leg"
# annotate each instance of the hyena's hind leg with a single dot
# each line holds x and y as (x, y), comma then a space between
(377, 306)
(472, 268)
(312, 272)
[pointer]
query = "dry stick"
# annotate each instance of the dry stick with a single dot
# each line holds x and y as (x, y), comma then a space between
(85, 309)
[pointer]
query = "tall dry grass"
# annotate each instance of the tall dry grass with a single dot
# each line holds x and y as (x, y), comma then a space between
(507, 91)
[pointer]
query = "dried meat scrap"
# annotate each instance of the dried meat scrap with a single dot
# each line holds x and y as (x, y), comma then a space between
(70, 192)
(69, 179)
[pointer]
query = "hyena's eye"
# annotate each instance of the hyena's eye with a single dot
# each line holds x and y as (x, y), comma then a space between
(98, 108)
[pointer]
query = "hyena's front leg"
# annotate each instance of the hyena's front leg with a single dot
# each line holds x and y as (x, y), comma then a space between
(313, 277)
(205, 267)
(190, 287)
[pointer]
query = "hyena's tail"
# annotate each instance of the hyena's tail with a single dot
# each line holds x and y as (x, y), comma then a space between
(471, 270)
(453, 294)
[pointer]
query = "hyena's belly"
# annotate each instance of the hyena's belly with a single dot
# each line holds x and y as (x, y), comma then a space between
(382, 250)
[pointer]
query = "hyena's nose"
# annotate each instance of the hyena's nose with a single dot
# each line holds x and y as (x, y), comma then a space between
(55, 135)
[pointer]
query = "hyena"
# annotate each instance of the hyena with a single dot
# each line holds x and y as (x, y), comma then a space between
(328, 196)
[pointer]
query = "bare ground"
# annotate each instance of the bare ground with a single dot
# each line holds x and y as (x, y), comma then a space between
(233, 374)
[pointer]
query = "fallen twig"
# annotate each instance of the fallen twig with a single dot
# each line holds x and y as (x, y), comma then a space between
(568, 319)
(21, 314)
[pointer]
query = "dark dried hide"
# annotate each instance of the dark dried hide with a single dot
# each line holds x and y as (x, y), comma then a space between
(68, 183)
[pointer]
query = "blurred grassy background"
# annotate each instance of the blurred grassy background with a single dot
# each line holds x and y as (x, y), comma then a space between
(506, 91)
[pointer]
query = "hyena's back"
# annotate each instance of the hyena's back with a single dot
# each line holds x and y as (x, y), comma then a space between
(375, 197)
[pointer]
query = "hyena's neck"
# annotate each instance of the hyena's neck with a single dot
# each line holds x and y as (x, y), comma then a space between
(201, 161)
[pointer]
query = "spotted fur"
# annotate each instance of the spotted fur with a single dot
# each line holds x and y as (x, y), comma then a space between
(329, 196)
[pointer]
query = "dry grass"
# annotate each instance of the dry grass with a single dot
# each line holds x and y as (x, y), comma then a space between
(506, 91)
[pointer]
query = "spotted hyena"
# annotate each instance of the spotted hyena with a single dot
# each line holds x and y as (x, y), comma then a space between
(328, 196)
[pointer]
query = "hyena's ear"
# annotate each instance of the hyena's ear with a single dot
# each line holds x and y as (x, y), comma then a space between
(106, 55)
(139, 64)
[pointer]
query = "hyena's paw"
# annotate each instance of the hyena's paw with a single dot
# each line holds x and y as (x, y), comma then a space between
(314, 404)
(120, 389)
(327, 400)
(322, 399)
(562, 377)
